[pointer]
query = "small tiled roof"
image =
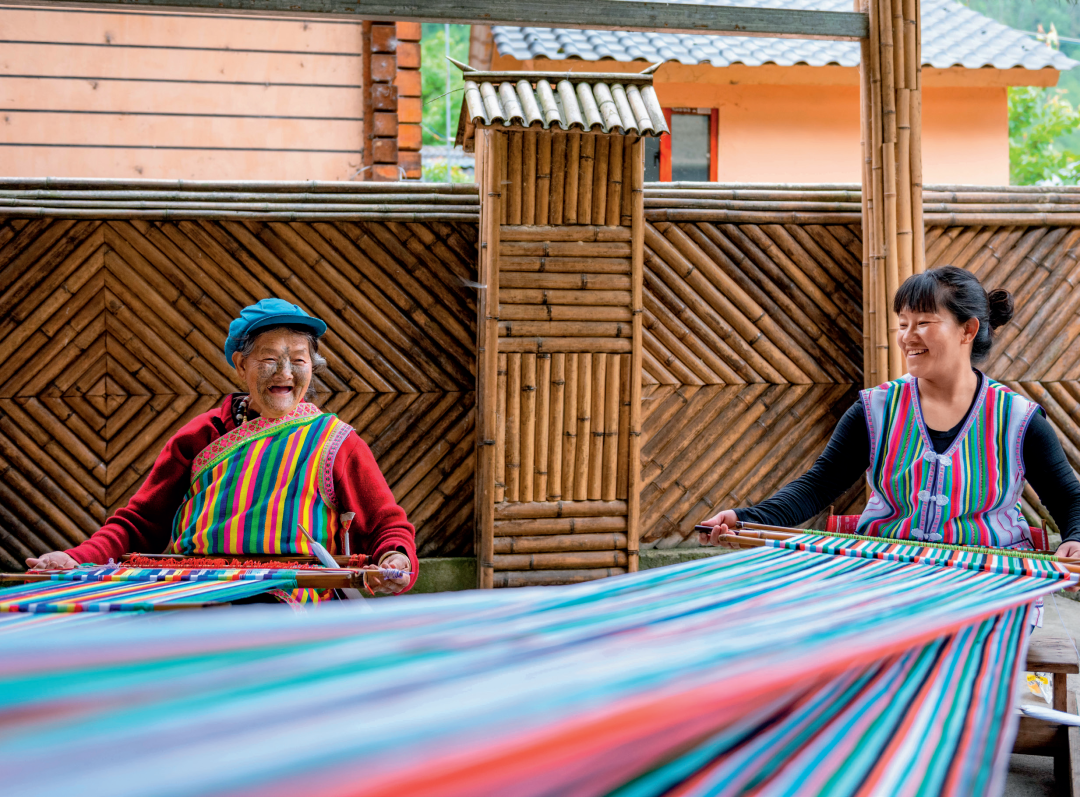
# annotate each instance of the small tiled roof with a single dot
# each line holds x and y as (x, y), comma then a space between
(593, 102)
(952, 35)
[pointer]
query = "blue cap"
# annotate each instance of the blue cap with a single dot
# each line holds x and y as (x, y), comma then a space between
(268, 313)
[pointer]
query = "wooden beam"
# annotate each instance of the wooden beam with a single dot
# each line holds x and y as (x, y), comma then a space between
(600, 14)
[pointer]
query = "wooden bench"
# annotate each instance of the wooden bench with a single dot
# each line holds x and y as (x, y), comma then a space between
(1054, 655)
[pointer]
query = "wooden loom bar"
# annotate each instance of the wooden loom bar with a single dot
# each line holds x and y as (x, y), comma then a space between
(313, 579)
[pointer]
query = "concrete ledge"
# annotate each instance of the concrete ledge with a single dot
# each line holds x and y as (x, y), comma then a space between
(658, 557)
(446, 574)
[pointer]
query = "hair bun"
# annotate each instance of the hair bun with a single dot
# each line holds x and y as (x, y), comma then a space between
(1001, 307)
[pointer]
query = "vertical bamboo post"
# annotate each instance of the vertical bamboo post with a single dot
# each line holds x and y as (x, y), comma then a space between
(624, 424)
(569, 446)
(867, 224)
(570, 187)
(558, 177)
(614, 187)
(543, 176)
(600, 179)
(918, 226)
(637, 268)
(487, 352)
(500, 432)
(596, 441)
(611, 427)
(543, 421)
(528, 425)
(584, 427)
(555, 444)
(626, 203)
(903, 144)
(528, 182)
(513, 427)
(514, 187)
(877, 207)
(585, 179)
(888, 162)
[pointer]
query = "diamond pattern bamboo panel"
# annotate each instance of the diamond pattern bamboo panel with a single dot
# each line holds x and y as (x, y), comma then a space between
(742, 303)
(112, 335)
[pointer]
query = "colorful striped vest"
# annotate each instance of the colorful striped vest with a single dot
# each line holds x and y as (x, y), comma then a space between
(970, 494)
(254, 487)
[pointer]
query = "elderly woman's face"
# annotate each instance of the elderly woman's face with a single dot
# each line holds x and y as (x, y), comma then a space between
(277, 372)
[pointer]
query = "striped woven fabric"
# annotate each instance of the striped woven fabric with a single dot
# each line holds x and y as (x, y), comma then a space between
(112, 589)
(770, 671)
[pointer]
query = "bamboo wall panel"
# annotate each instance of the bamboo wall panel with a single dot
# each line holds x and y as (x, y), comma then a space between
(112, 334)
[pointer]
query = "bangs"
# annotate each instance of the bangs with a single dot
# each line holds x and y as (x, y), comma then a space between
(921, 293)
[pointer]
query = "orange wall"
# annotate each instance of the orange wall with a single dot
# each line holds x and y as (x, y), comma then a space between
(810, 134)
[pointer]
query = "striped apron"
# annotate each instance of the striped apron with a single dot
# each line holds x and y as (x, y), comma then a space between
(253, 488)
(967, 495)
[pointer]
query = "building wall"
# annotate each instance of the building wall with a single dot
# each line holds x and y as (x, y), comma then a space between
(131, 94)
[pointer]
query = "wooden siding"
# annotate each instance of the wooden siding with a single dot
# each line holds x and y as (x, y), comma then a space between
(129, 94)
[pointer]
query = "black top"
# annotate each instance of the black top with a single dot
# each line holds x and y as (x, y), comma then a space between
(847, 458)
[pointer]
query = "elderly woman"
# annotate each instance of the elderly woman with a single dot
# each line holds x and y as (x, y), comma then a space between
(243, 478)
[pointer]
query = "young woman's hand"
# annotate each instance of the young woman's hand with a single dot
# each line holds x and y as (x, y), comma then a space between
(722, 523)
(1069, 550)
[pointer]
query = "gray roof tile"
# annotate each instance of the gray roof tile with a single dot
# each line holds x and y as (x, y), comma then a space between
(953, 35)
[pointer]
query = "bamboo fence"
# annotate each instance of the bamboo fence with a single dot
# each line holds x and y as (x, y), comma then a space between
(750, 341)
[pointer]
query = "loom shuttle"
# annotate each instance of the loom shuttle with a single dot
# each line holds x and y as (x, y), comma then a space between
(326, 560)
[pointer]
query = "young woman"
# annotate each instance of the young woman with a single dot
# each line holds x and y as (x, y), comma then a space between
(945, 449)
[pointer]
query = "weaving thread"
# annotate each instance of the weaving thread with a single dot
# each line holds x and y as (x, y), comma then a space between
(770, 671)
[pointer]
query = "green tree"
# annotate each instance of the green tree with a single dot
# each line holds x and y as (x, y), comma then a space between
(1038, 120)
(433, 76)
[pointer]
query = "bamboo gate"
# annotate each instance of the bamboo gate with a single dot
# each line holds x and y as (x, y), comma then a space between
(115, 299)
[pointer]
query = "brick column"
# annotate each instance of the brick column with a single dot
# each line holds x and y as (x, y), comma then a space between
(410, 104)
(379, 69)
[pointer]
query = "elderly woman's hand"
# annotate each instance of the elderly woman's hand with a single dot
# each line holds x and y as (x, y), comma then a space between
(379, 584)
(56, 560)
(722, 523)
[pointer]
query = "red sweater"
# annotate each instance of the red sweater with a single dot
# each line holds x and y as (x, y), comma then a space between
(145, 524)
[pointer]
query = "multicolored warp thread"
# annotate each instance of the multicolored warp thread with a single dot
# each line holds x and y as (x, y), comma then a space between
(111, 588)
(772, 671)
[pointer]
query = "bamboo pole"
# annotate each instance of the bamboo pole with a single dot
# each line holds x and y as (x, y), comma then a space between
(569, 446)
(555, 543)
(585, 179)
(601, 515)
(637, 239)
(543, 176)
(528, 426)
(487, 357)
(889, 173)
(584, 427)
(514, 174)
(529, 181)
(623, 457)
(500, 431)
(626, 202)
(877, 256)
(543, 419)
(596, 441)
(903, 147)
(558, 177)
(513, 427)
(555, 439)
(600, 179)
(918, 243)
(614, 187)
(570, 186)
(867, 225)
(611, 428)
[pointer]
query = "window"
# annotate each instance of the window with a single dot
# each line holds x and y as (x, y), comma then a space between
(689, 154)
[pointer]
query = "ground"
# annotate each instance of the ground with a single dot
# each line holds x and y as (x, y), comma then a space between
(1033, 776)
